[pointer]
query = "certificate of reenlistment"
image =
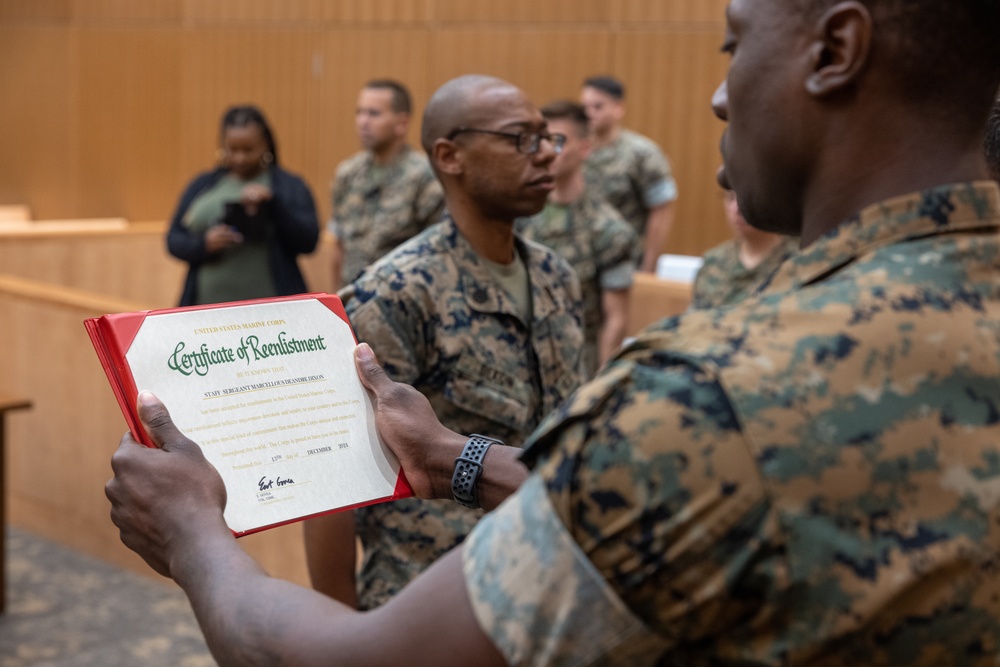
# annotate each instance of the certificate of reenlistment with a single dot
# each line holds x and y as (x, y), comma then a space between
(269, 390)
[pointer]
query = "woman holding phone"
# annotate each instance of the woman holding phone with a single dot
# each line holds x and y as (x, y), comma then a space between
(241, 225)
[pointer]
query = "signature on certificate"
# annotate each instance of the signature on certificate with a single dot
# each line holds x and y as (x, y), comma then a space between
(265, 482)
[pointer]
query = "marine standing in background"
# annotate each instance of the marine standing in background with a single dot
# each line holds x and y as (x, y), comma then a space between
(734, 269)
(387, 193)
(588, 233)
(630, 171)
(487, 326)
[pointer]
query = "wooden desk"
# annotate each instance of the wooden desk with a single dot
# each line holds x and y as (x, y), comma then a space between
(653, 299)
(7, 403)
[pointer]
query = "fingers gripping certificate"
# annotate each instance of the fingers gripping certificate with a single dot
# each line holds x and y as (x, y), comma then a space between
(269, 391)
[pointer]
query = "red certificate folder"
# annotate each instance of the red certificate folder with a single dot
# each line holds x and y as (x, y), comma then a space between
(267, 388)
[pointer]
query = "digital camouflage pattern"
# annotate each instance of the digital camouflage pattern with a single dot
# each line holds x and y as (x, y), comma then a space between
(376, 208)
(597, 243)
(634, 176)
(437, 320)
(809, 478)
(722, 279)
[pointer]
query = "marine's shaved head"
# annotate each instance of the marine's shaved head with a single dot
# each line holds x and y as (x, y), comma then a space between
(461, 101)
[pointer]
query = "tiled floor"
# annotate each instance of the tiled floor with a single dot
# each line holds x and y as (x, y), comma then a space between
(69, 610)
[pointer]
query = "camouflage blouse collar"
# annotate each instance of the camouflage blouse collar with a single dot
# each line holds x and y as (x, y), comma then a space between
(480, 289)
(940, 210)
(392, 165)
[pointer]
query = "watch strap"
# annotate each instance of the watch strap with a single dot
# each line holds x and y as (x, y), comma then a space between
(468, 468)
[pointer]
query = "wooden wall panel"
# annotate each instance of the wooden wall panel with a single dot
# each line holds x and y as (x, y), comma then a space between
(524, 11)
(679, 11)
(119, 11)
(36, 10)
(37, 120)
(237, 12)
(671, 77)
(128, 92)
(547, 64)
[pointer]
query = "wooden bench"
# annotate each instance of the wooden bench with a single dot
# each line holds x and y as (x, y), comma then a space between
(14, 213)
(8, 403)
(59, 227)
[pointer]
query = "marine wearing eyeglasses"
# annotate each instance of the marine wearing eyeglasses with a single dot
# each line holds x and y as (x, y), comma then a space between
(386, 194)
(486, 325)
(527, 143)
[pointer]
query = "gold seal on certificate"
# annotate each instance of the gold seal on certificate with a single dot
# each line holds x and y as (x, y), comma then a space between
(269, 390)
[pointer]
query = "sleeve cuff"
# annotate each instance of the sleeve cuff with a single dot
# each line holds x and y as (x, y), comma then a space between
(539, 598)
(618, 277)
(659, 193)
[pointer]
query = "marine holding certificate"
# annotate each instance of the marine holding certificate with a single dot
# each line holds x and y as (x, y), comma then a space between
(241, 226)
(487, 325)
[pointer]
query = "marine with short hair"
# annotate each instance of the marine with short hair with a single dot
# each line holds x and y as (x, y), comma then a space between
(629, 170)
(484, 323)
(590, 234)
(385, 194)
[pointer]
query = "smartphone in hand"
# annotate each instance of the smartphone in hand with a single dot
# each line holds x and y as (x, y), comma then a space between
(252, 227)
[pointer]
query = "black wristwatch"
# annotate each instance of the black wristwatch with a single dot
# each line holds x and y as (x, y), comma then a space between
(468, 468)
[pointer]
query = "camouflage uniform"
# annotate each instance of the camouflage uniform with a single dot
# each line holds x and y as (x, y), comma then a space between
(634, 175)
(724, 281)
(376, 209)
(597, 243)
(435, 318)
(809, 478)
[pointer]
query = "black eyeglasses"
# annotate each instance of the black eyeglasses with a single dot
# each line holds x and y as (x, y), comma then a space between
(527, 143)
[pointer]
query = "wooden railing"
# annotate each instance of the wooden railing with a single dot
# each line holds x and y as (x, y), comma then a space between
(118, 259)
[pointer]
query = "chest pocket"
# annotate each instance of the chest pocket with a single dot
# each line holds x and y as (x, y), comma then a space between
(490, 393)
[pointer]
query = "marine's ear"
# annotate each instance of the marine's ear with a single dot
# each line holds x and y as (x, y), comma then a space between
(841, 48)
(446, 156)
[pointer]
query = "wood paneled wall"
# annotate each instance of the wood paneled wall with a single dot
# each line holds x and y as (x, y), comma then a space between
(112, 105)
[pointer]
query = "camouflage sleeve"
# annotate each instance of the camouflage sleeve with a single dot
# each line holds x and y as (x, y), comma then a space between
(395, 340)
(429, 203)
(535, 618)
(656, 179)
(714, 279)
(338, 191)
(614, 242)
(622, 544)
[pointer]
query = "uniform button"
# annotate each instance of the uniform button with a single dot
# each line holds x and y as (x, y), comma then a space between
(480, 296)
